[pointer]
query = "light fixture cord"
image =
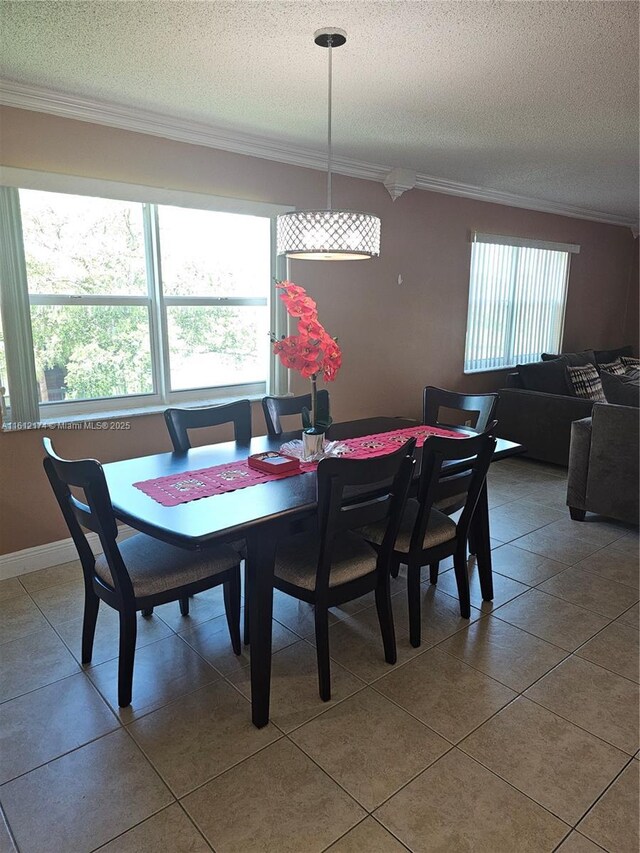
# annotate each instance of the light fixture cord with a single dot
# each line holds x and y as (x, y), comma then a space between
(329, 45)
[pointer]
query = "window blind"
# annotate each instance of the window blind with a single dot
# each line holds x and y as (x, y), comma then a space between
(517, 296)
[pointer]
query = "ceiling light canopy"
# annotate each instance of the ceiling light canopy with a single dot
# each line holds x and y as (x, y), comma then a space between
(328, 235)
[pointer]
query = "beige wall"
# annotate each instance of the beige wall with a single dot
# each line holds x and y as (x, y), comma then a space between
(395, 339)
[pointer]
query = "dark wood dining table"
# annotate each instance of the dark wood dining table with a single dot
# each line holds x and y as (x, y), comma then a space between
(261, 515)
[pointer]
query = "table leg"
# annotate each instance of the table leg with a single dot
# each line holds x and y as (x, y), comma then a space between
(482, 544)
(261, 546)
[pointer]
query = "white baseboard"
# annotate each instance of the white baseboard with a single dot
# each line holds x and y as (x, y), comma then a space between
(51, 554)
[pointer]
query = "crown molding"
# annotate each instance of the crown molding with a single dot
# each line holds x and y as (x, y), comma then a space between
(38, 99)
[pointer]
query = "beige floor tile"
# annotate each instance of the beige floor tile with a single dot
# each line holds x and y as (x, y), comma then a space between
(62, 602)
(504, 652)
(512, 520)
(162, 672)
(629, 544)
(631, 616)
(613, 564)
(593, 698)
(613, 821)
(211, 640)
(356, 644)
(552, 619)
(33, 661)
(200, 736)
(439, 614)
(294, 686)
(556, 545)
(168, 830)
(296, 615)
(72, 794)
(504, 589)
(202, 607)
(367, 837)
(6, 841)
(40, 726)
(444, 693)
(453, 806)
(614, 648)
(64, 573)
(524, 566)
(11, 588)
(105, 643)
(552, 761)
(577, 843)
(19, 616)
(277, 800)
(594, 528)
(592, 592)
(369, 746)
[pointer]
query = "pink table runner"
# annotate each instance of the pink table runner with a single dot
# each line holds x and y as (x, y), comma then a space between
(188, 486)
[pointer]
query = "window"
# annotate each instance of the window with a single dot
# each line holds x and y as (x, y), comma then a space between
(115, 304)
(517, 296)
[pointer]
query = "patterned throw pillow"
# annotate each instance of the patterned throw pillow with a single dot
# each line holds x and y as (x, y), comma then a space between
(586, 383)
(630, 363)
(616, 367)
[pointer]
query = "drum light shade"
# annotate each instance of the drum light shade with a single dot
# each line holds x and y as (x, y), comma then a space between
(328, 235)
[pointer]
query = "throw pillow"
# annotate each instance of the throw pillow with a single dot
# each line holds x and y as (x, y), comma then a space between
(575, 359)
(546, 376)
(623, 390)
(616, 367)
(604, 356)
(630, 363)
(586, 383)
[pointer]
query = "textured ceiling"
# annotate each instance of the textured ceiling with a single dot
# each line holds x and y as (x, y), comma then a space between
(534, 98)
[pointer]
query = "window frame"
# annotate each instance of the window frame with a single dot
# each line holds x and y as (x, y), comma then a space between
(154, 300)
(511, 359)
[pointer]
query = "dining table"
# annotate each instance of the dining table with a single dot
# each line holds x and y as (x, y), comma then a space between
(261, 515)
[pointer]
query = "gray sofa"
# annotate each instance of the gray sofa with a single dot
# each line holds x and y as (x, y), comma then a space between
(603, 464)
(538, 420)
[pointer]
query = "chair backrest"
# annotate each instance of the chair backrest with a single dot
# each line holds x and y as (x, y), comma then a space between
(355, 492)
(95, 514)
(466, 405)
(180, 421)
(275, 408)
(473, 456)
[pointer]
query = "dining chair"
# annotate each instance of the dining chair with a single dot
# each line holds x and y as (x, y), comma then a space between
(137, 574)
(427, 535)
(332, 565)
(180, 421)
(275, 408)
(473, 411)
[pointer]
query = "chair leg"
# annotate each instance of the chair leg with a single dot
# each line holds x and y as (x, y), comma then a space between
(413, 596)
(462, 581)
(147, 612)
(395, 569)
(385, 617)
(127, 652)
(91, 605)
(184, 606)
(322, 652)
(231, 591)
(434, 569)
(247, 636)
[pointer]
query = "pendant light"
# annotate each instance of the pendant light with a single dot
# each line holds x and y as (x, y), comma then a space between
(328, 235)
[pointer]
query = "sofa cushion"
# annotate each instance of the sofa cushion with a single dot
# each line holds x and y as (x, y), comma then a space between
(575, 359)
(585, 382)
(546, 376)
(603, 356)
(630, 363)
(623, 390)
(616, 367)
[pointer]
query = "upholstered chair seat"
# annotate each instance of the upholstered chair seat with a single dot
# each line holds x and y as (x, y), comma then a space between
(155, 566)
(352, 558)
(440, 529)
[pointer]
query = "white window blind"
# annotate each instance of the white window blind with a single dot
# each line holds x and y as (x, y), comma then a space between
(517, 296)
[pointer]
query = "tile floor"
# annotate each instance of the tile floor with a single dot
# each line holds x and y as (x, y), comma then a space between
(514, 731)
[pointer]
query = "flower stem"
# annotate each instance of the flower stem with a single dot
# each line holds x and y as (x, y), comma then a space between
(314, 400)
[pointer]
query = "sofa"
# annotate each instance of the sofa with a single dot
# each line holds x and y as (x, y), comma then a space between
(603, 471)
(537, 406)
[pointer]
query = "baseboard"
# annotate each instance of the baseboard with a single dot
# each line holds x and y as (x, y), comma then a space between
(51, 554)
